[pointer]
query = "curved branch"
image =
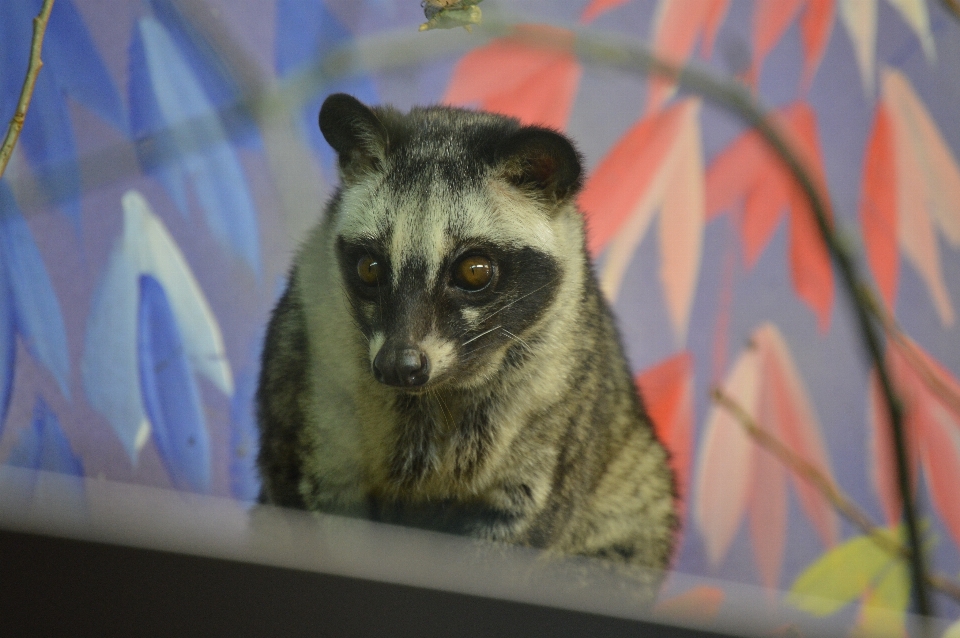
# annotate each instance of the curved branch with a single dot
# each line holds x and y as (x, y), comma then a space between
(26, 93)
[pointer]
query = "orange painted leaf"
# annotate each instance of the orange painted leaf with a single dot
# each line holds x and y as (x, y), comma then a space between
(514, 76)
(878, 207)
(596, 7)
(698, 604)
(792, 418)
(625, 174)
(667, 390)
(677, 26)
(725, 462)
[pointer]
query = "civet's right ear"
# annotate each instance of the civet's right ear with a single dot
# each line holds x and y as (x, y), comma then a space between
(355, 133)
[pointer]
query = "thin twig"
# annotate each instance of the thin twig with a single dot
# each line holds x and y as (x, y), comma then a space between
(827, 488)
(26, 93)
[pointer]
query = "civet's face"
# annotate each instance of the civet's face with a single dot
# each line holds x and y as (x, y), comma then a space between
(444, 281)
(448, 236)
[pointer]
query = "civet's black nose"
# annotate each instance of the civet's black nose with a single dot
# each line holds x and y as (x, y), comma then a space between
(402, 366)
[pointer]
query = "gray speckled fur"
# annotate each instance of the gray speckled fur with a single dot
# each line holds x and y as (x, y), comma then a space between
(538, 437)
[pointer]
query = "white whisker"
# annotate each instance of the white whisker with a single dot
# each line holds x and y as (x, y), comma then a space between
(486, 332)
(518, 299)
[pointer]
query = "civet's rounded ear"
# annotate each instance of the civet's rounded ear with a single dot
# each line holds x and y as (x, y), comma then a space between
(355, 133)
(542, 161)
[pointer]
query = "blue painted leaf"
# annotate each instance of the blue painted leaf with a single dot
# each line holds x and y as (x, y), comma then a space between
(154, 142)
(170, 395)
(306, 32)
(109, 366)
(212, 72)
(47, 141)
(43, 446)
(36, 311)
(7, 346)
(244, 439)
(71, 56)
(201, 144)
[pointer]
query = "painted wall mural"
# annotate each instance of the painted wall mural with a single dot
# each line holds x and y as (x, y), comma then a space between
(171, 160)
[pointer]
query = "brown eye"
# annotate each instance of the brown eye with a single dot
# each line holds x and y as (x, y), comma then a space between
(369, 270)
(473, 273)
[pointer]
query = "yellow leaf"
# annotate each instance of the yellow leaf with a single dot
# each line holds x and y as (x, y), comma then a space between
(884, 607)
(839, 576)
(953, 631)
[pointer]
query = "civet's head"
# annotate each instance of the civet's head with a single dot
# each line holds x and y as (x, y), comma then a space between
(454, 233)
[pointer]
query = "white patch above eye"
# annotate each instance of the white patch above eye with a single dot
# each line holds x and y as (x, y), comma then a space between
(376, 342)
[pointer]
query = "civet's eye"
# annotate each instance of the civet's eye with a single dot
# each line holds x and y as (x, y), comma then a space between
(473, 273)
(369, 270)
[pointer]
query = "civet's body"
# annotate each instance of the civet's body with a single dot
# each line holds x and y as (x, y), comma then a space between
(442, 355)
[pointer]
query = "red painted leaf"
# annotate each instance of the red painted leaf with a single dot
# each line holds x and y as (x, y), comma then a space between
(724, 469)
(815, 27)
(878, 207)
(764, 207)
(677, 26)
(596, 7)
(514, 76)
(809, 261)
(770, 21)
(667, 390)
(928, 392)
(928, 187)
(768, 513)
(734, 171)
(682, 221)
(625, 174)
(718, 11)
(747, 171)
(792, 418)
(940, 455)
(883, 469)
(699, 604)
(810, 267)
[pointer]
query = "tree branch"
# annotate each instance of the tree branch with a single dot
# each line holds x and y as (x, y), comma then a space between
(26, 93)
(837, 498)
(734, 98)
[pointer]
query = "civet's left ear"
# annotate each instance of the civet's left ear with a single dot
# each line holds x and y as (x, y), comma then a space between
(542, 161)
(355, 133)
